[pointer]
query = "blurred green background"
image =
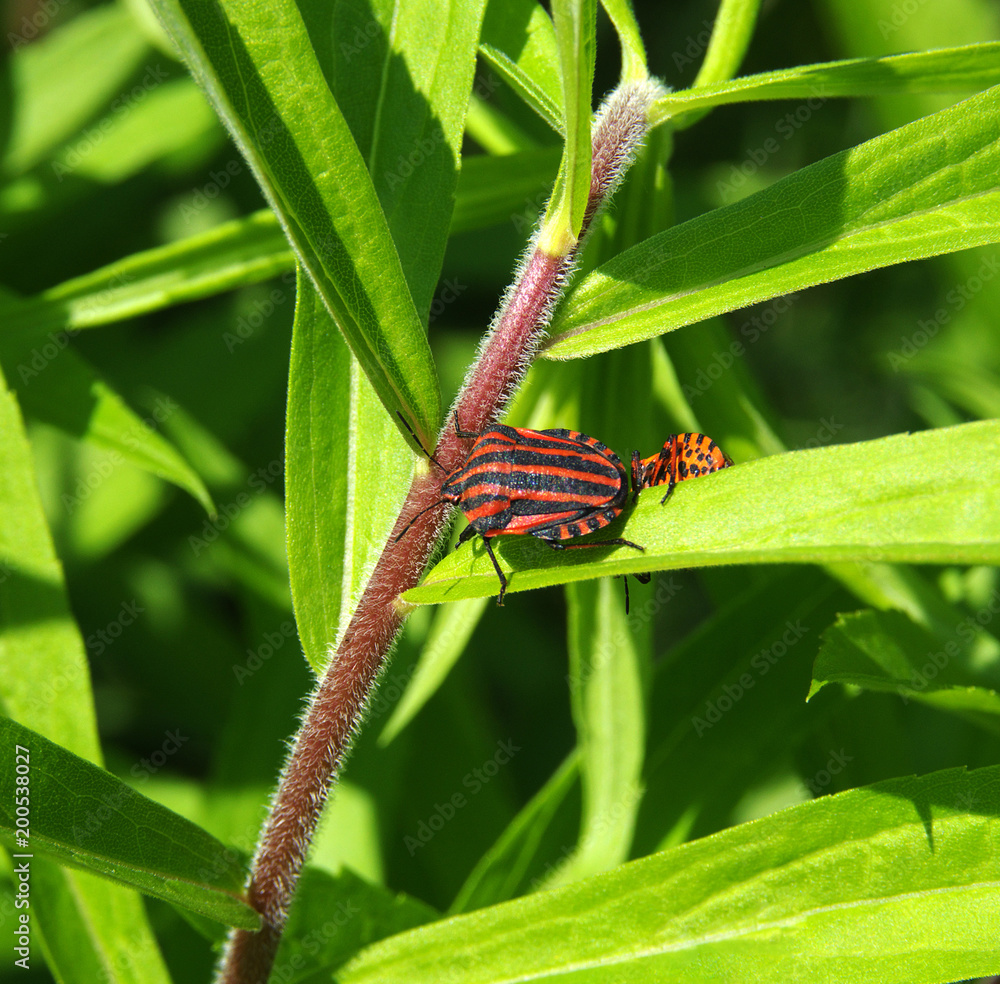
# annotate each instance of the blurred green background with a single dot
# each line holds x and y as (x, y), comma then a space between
(189, 626)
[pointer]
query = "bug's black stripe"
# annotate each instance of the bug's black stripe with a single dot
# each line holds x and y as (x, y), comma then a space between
(573, 462)
(541, 507)
(528, 485)
(518, 459)
(562, 440)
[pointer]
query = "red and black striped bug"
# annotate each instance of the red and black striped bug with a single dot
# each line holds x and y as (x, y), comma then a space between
(682, 456)
(554, 485)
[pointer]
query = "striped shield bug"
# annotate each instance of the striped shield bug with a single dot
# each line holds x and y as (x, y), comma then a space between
(554, 485)
(682, 456)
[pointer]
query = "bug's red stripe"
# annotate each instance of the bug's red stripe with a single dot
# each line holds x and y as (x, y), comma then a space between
(528, 524)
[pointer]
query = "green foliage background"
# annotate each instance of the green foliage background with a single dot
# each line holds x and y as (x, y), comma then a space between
(142, 522)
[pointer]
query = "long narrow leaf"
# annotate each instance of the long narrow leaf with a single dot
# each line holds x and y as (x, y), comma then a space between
(404, 95)
(259, 69)
(59, 387)
(44, 680)
(342, 496)
(234, 254)
(973, 66)
(519, 42)
(895, 881)
(885, 651)
(575, 22)
(88, 818)
(923, 498)
(930, 187)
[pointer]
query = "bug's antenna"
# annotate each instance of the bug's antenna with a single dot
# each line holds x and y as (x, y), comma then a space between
(430, 457)
(433, 505)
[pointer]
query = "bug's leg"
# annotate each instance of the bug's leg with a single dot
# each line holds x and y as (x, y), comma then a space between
(420, 445)
(670, 489)
(618, 542)
(496, 566)
(625, 579)
(636, 469)
(463, 433)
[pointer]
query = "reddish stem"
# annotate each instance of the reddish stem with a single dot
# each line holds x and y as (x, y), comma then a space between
(340, 698)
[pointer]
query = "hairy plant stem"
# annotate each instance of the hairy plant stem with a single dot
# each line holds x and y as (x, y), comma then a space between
(338, 703)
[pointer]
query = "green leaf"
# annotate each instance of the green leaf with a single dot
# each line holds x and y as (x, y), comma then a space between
(409, 121)
(512, 187)
(259, 69)
(235, 254)
(885, 651)
(446, 641)
(501, 872)
(519, 41)
(82, 816)
(731, 33)
(316, 458)
(576, 26)
(171, 119)
(347, 471)
(62, 81)
(921, 498)
(45, 679)
(491, 128)
(930, 187)
(633, 50)
(609, 666)
(972, 66)
(59, 387)
(726, 706)
(895, 881)
(332, 918)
